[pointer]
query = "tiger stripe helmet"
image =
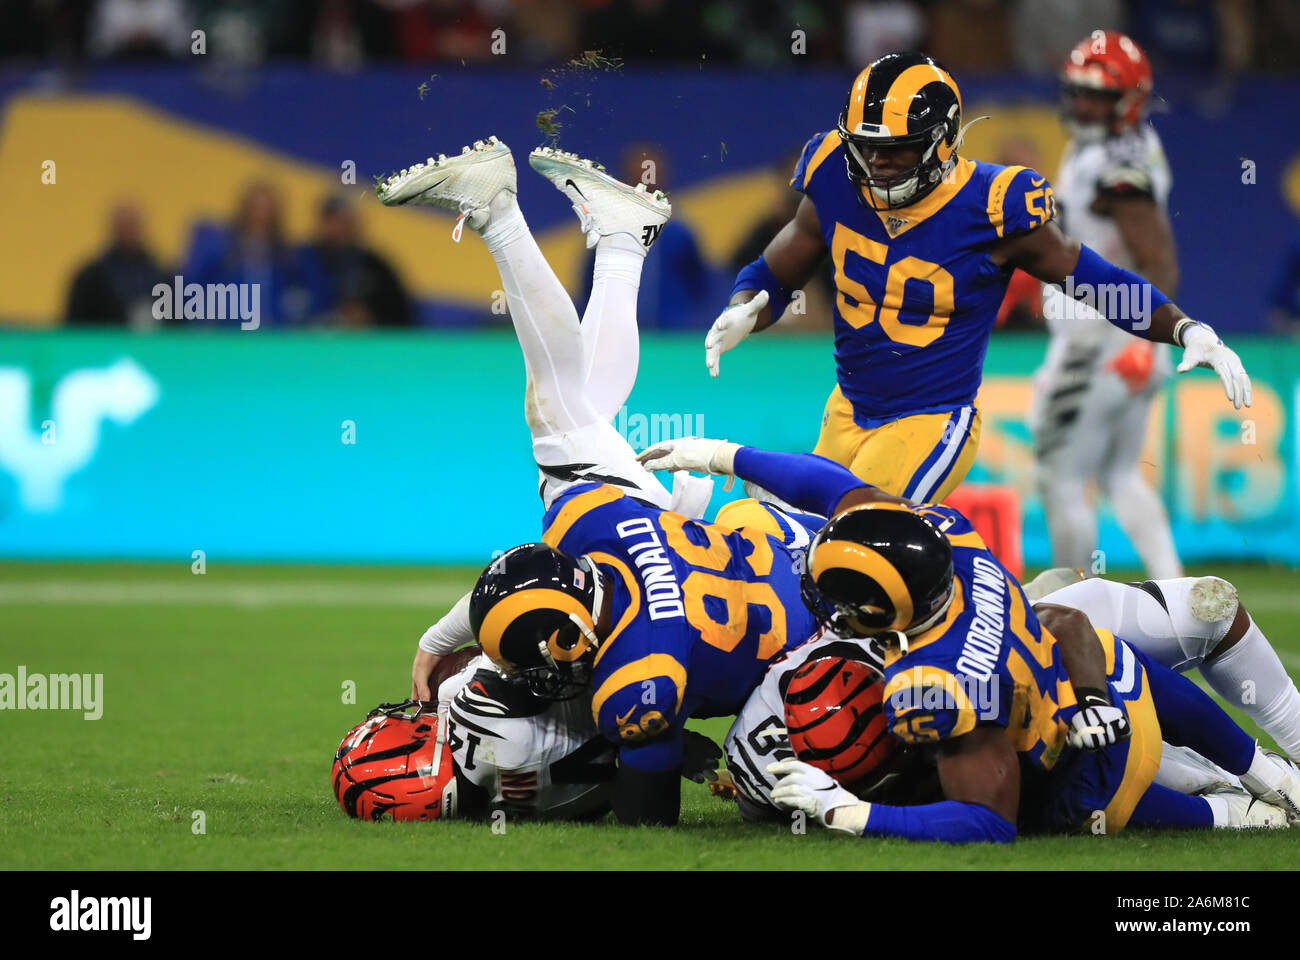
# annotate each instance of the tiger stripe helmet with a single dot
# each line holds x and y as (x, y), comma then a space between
(877, 568)
(907, 101)
(1109, 62)
(835, 718)
(394, 764)
(534, 612)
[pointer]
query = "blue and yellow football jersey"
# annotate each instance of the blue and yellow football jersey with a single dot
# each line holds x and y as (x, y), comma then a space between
(916, 292)
(699, 610)
(987, 661)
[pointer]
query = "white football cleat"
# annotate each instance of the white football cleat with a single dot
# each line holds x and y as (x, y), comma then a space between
(465, 184)
(1049, 581)
(1247, 813)
(604, 205)
(1275, 779)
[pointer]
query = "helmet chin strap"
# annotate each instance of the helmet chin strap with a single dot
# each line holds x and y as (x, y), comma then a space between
(597, 601)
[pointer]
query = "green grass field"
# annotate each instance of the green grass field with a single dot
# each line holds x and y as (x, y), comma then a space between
(223, 693)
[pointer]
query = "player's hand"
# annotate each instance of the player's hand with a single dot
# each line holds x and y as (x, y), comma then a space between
(1203, 348)
(1097, 724)
(733, 325)
(691, 453)
(700, 757)
(815, 792)
(422, 674)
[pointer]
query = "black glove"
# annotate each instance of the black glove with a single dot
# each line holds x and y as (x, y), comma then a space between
(700, 757)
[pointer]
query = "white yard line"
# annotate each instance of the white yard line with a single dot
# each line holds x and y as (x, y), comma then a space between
(201, 593)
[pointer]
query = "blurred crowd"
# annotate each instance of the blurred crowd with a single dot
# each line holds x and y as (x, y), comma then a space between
(1213, 36)
(332, 280)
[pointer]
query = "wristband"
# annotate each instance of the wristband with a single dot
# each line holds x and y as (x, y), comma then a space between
(759, 276)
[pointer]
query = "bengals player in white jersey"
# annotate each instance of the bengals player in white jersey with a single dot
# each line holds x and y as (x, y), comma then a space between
(1094, 391)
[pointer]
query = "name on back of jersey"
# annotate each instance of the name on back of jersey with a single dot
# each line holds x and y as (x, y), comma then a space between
(662, 591)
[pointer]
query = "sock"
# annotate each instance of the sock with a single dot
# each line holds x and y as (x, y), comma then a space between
(1162, 807)
(611, 340)
(1250, 676)
(1219, 807)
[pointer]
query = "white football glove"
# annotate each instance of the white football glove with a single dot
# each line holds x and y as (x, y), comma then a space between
(816, 793)
(1203, 348)
(733, 325)
(691, 453)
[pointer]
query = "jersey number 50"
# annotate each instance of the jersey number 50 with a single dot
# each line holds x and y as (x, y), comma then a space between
(909, 268)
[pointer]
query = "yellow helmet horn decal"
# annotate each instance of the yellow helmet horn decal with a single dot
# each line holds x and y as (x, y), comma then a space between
(500, 618)
(846, 555)
(898, 102)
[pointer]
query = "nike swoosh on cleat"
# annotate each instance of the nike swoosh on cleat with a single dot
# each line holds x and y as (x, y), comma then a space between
(570, 183)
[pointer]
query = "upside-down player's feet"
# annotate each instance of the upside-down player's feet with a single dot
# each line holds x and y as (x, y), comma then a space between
(1275, 779)
(1245, 812)
(604, 205)
(465, 184)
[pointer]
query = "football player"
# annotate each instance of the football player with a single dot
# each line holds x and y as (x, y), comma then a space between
(853, 753)
(923, 243)
(489, 745)
(660, 616)
(1065, 717)
(1094, 391)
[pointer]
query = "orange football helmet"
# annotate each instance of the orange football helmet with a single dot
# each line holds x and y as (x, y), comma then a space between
(1110, 62)
(835, 718)
(395, 764)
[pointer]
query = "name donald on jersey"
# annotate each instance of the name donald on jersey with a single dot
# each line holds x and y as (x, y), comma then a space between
(662, 591)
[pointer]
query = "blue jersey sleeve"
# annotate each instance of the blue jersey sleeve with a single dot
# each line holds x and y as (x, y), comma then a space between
(642, 716)
(925, 703)
(803, 169)
(1020, 199)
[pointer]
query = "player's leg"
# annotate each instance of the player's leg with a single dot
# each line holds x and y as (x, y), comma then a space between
(480, 184)
(922, 457)
(572, 442)
(1069, 443)
(622, 223)
(1189, 717)
(1198, 622)
(1137, 507)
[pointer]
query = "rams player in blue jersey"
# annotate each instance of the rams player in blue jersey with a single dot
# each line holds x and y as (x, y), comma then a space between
(1031, 727)
(657, 616)
(923, 243)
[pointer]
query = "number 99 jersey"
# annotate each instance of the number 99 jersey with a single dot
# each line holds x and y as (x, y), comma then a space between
(698, 612)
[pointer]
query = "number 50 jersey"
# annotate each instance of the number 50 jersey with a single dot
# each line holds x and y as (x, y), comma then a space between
(916, 292)
(699, 610)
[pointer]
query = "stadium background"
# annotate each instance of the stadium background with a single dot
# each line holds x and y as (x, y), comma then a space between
(203, 448)
(240, 443)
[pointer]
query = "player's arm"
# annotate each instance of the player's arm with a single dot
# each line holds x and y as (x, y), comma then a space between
(450, 632)
(763, 288)
(1097, 723)
(806, 481)
(1053, 257)
(640, 716)
(978, 771)
(1147, 235)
